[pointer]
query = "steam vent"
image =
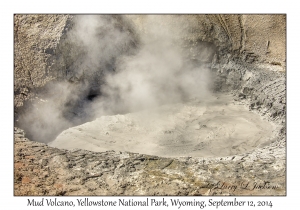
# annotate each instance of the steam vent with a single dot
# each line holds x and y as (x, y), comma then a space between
(150, 105)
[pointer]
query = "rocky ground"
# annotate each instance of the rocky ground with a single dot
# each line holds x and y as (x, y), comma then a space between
(43, 170)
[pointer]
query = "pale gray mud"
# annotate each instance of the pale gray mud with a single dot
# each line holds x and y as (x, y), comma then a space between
(218, 126)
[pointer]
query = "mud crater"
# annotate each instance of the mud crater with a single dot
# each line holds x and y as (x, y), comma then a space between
(211, 126)
(218, 126)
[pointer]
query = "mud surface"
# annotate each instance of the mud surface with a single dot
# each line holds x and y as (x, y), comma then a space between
(218, 126)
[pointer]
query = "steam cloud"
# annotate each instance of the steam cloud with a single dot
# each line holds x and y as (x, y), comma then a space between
(129, 67)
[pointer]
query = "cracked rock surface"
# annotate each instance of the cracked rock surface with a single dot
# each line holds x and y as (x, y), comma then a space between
(43, 170)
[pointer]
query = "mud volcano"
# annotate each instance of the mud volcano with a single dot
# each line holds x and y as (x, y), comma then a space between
(172, 103)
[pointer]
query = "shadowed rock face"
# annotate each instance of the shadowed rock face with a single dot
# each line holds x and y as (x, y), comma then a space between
(245, 55)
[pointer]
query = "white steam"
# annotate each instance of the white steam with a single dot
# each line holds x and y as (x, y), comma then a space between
(156, 72)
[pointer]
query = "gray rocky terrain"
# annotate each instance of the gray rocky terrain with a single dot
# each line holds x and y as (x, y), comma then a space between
(60, 75)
